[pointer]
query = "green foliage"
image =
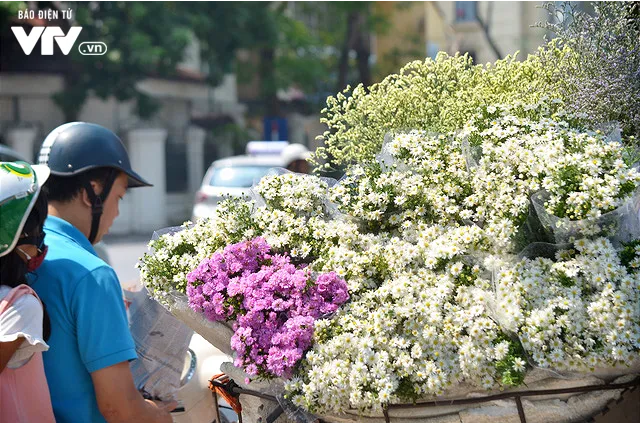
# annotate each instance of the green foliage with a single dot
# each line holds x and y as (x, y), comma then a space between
(571, 177)
(300, 60)
(468, 276)
(507, 370)
(149, 40)
(406, 391)
(143, 39)
(222, 28)
(630, 255)
(9, 10)
(564, 280)
(435, 95)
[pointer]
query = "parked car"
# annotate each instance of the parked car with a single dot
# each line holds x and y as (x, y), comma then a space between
(232, 176)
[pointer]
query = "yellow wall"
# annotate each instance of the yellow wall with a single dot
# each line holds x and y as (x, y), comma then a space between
(404, 39)
(433, 25)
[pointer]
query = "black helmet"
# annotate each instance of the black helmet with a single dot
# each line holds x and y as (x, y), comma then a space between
(76, 147)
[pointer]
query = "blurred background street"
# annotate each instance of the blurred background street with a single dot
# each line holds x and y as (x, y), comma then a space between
(184, 84)
(124, 252)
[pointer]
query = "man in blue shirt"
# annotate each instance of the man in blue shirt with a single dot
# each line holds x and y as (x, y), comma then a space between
(87, 365)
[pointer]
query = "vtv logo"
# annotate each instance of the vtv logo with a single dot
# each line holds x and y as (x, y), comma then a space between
(48, 34)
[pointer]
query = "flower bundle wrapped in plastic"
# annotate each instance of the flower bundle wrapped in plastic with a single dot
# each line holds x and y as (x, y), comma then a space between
(272, 302)
(578, 313)
(577, 177)
(424, 242)
(417, 335)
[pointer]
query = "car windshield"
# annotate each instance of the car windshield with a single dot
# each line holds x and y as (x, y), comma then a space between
(238, 176)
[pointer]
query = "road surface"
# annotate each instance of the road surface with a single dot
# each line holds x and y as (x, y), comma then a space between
(124, 252)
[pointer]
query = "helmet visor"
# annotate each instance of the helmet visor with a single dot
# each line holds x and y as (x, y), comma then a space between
(135, 180)
(20, 185)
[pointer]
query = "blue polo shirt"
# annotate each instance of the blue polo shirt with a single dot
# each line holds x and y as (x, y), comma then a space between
(89, 328)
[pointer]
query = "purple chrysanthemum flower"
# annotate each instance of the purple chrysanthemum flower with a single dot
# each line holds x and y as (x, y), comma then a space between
(274, 304)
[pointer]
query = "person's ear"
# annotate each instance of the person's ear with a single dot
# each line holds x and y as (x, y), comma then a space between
(85, 197)
(97, 189)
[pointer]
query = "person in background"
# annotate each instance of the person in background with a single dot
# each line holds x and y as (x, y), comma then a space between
(24, 325)
(87, 365)
(295, 157)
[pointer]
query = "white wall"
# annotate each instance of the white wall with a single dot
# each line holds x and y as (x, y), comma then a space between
(123, 224)
(34, 94)
(159, 88)
(30, 84)
(191, 56)
(6, 108)
(147, 154)
(175, 116)
(117, 116)
(144, 209)
(510, 27)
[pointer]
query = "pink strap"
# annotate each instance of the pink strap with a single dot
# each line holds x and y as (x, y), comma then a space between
(14, 294)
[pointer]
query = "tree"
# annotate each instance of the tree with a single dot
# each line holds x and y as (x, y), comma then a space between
(356, 38)
(8, 11)
(147, 39)
(143, 39)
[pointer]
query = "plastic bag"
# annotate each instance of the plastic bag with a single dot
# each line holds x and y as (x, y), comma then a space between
(330, 209)
(619, 225)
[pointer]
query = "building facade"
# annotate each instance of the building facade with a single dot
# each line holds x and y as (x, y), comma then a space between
(172, 150)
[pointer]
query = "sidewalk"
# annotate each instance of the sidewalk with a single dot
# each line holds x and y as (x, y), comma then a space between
(126, 238)
(124, 252)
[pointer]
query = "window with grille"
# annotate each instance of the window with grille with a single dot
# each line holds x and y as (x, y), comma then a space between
(466, 11)
(177, 177)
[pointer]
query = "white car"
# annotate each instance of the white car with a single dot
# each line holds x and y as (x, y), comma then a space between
(232, 176)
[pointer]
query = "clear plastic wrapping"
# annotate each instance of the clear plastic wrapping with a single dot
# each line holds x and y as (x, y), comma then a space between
(619, 225)
(330, 210)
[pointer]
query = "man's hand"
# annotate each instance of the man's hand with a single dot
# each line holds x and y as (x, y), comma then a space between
(168, 405)
(120, 401)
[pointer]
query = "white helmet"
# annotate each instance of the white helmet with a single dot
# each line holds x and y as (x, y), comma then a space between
(293, 152)
(20, 185)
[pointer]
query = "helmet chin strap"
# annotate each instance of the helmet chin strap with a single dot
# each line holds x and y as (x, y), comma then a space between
(97, 202)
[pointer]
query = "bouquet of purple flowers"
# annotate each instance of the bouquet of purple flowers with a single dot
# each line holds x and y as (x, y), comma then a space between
(273, 303)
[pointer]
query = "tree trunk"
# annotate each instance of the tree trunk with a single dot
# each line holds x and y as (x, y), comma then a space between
(486, 26)
(343, 65)
(269, 86)
(362, 47)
